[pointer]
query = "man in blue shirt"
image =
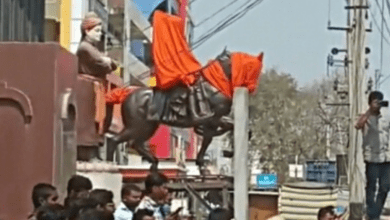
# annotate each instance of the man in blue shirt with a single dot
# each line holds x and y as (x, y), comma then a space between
(131, 197)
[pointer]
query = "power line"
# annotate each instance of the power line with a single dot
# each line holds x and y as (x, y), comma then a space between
(383, 17)
(227, 18)
(217, 12)
(382, 35)
(225, 23)
(377, 26)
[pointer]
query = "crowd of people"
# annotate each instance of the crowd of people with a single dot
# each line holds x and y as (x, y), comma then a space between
(85, 203)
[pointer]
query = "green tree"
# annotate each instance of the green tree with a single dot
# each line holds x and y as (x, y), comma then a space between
(288, 122)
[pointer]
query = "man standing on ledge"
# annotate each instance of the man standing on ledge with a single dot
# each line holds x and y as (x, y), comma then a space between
(375, 128)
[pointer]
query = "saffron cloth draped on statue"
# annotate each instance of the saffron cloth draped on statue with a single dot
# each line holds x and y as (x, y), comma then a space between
(175, 64)
(173, 60)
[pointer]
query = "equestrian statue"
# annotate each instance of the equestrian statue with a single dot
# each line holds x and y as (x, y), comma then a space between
(187, 94)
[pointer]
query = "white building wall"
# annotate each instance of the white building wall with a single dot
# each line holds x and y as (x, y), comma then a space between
(79, 9)
(102, 176)
(215, 152)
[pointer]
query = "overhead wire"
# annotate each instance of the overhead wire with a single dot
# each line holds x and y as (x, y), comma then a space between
(387, 77)
(226, 23)
(382, 34)
(215, 13)
(244, 8)
(225, 19)
(384, 19)
(377, 26)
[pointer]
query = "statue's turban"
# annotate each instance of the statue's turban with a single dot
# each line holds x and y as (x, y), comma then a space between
(90, 21)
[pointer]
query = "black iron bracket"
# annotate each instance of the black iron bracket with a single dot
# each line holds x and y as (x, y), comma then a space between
(340, 28)
(357, 7)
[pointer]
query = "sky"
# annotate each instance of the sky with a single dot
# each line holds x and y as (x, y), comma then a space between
(292, 34)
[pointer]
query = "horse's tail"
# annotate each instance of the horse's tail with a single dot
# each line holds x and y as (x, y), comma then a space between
(118, 95)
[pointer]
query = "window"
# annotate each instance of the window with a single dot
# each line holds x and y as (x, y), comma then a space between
(186, 145)
(174, 145)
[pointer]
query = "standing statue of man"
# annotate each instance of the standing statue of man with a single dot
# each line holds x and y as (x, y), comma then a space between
(94, 63)
(91, 60)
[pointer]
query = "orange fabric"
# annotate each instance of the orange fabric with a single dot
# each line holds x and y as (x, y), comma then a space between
(100, 103)
(118, 95)
(246, 70)
(215, 75)
(100, 91)
(174, 62)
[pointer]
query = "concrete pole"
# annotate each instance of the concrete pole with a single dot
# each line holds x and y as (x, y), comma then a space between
(126, 43)
(357, 87)
(241, 120)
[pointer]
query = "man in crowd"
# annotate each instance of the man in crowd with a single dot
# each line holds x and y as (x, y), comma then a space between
(93, 214)
(104, 198)
(143, 214)
(43, 194)
(156, 196)
(131, 197)
(78, 187)
(376, 128)
(79, 205)
(51, 212)
(327, 213)
(220, 214)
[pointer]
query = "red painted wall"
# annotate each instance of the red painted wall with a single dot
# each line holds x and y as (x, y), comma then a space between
(160, 143)
(192, 151)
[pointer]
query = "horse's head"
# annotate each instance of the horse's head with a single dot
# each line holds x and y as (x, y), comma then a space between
(246, 70)
(225, 60)
(234, 70)
(225, 54)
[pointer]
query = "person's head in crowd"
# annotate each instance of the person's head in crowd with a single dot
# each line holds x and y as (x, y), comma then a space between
(143, 214)
(155, 187)
(131, 195)
(51, 212)
(79, 187)
(326, 213)
(220, 214)
(44, 194)
(93, 214)
(78, 205)
(104, 199)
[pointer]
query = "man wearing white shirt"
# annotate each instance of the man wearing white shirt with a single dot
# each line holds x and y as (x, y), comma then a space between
(131, 197)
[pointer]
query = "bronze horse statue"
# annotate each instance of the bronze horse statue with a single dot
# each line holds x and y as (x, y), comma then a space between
(138, 129)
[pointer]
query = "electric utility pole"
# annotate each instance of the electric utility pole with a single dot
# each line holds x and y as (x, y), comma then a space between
(356, 39)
